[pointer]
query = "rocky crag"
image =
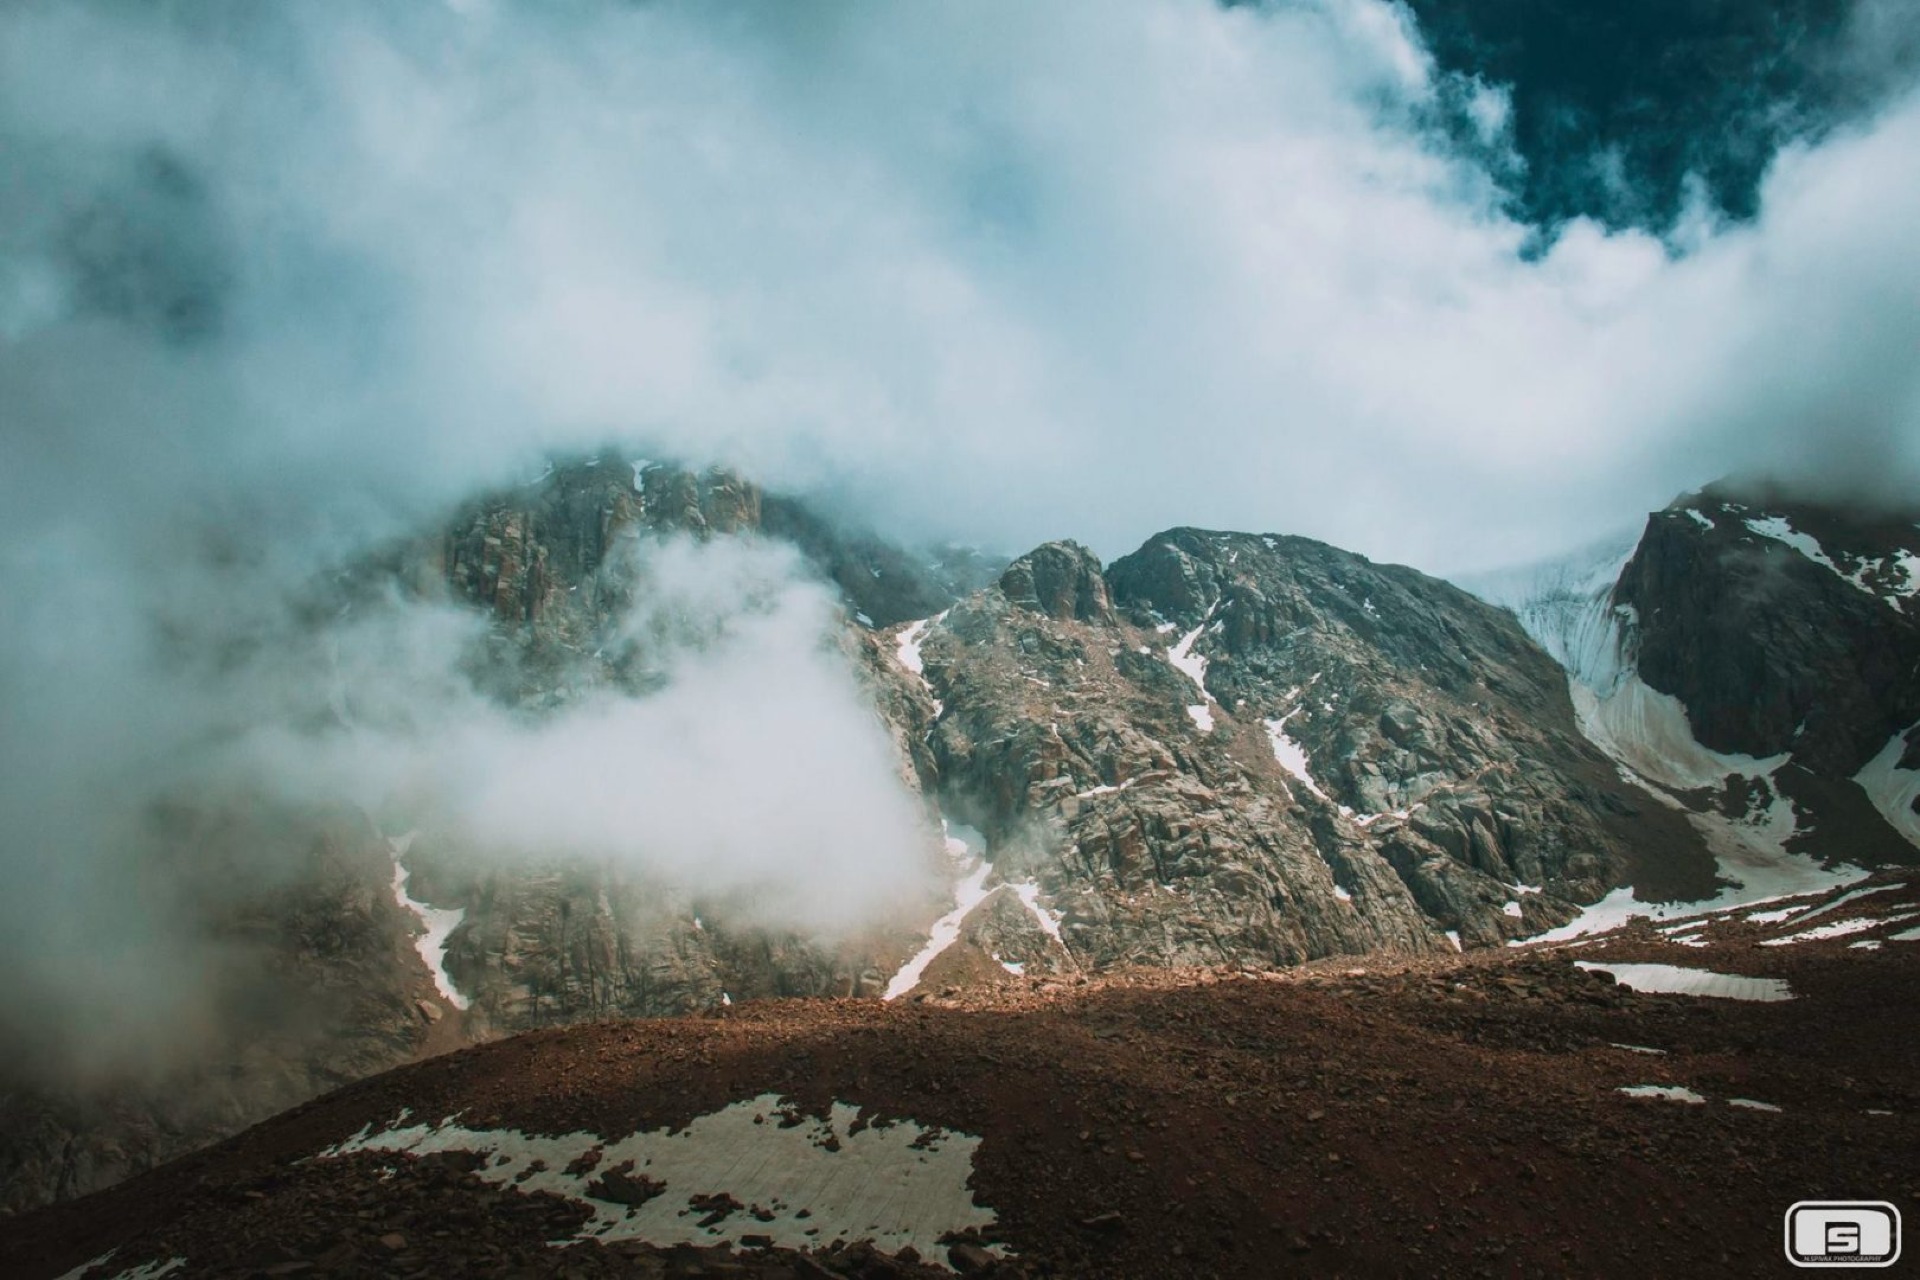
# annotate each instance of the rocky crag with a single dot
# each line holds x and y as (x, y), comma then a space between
(1753, 662)
(1230, 748)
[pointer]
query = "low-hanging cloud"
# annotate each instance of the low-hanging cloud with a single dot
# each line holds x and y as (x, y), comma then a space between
(756, 772)
(279, 282)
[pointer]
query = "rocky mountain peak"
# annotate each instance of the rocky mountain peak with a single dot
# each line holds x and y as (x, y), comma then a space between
(1785, 627)
(1274, 750)
(1753, 662)
(1062, 580)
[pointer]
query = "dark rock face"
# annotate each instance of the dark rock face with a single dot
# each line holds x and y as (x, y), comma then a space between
(552, 560)
(1770, 648)
(1755, 661)
(554, 942)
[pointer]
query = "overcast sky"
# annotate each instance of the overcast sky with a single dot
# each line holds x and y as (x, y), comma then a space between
(280, 280)
(997, 272)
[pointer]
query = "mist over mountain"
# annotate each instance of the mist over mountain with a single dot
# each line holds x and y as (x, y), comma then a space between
(578, 470)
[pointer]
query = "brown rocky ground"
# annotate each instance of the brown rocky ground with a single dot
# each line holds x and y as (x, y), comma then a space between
(1455, 1115)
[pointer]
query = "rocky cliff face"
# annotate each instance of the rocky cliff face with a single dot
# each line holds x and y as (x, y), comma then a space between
(1262, 750)
(1753, 661)
(1783, 626)
(335, 983)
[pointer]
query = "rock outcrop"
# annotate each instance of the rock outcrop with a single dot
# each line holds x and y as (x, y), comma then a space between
(1782, 626)
(1231, 748)
(1754, 662)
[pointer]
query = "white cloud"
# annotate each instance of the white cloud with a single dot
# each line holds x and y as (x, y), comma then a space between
(755, 773)
(1017, 270)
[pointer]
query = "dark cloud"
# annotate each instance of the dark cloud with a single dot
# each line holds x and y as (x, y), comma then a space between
(1627, 111)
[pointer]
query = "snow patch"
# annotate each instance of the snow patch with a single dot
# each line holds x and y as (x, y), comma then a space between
(1838, 929)
(1750, 1104)
(805, 1180)
(1049, 920)
(1640, 1048)
(1909, 566)
(906, 648)
(145, 1271)
(1648, 731)
(1453, 936)
(1669, 979)
(1188, 663)
(439, 923)
(1748, 854)
(1566, 605)
(1821, 908)
(1617, 909)
(1291, 755)
(906, 651)
(1778, 528)
(1893, 790)
(1665, 1092)
(1202, 717)
(1900, 565)
(1512, 909)
(1104, 789)
(967, 850)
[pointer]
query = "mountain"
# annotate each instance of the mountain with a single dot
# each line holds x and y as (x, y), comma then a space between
(364, 949)
(1250, 749)
(1500, 1111)
(1751, 662)
(1224, 749)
